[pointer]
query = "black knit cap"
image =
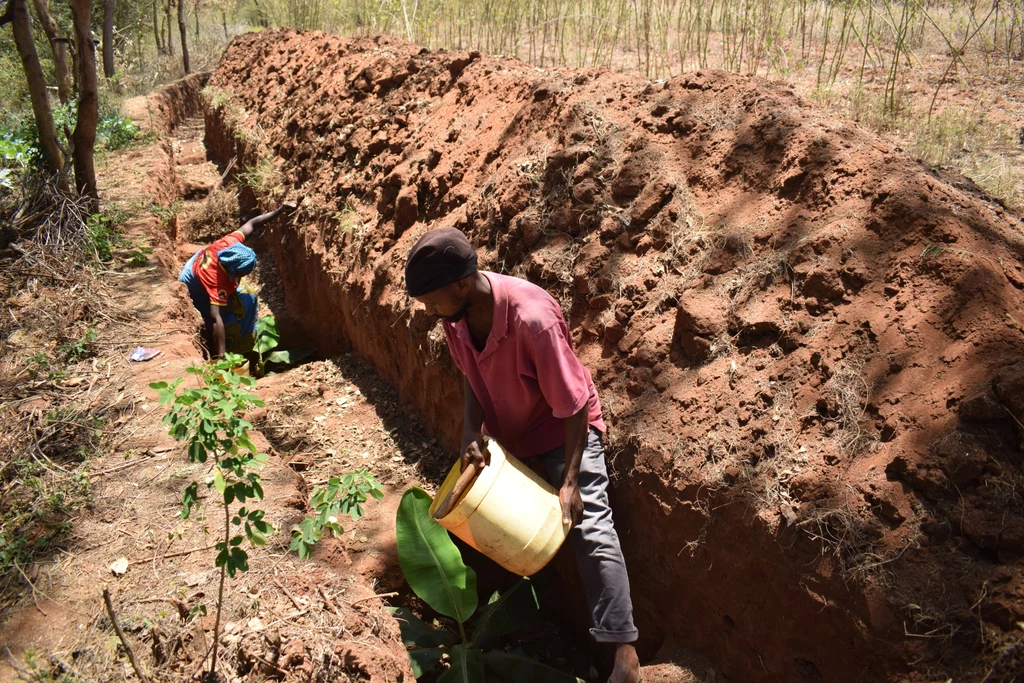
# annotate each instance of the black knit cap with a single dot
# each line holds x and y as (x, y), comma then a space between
(439, 258)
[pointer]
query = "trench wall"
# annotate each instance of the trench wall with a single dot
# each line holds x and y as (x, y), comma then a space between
(725, 256)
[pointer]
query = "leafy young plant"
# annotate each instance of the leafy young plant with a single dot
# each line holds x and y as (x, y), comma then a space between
(267, 339)
(74, 351)
(342, 496)
(209, 419)
(433, 566)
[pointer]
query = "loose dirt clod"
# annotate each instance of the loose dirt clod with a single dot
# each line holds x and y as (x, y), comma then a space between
(802, 339)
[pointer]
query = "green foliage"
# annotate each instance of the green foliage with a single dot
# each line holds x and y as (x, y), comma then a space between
(139, 257)
(36, 514)
(17, 148)
(20, 148)
(104, 235)
(430, 561)
(342, 496)
(209, 419)
(216, 97)
(116, 131)
(267, 339)
(166, 213)
(77, 350)
(42, 672)
(434, 569)
(263, 178)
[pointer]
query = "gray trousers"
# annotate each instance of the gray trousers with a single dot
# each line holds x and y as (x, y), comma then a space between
(602, 567)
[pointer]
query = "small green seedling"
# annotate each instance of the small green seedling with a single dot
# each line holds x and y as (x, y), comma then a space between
(342, 496)
(209, 419)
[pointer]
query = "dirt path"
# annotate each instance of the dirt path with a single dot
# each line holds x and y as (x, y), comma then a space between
(320, 421)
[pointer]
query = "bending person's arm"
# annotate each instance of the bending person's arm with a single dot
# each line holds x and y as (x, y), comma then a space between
(219, 339)
(254, 224)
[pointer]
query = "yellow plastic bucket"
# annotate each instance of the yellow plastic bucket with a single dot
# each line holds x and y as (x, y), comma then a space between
(509, 513)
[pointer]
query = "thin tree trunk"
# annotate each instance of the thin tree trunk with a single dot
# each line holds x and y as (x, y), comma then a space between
(156, 30)
(21, 25)
(84, 137)
(184, 43)
(108, 38)
(224, 23)
(59, 48)
(167, 22)
(195, 13)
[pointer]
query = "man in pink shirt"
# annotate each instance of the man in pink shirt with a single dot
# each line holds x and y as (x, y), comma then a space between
(526, 388)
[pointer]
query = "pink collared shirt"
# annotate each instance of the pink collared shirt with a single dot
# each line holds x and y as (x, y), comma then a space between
(527, 378)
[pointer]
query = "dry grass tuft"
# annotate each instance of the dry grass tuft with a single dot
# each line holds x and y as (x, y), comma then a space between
(846, 394)
(212, 218)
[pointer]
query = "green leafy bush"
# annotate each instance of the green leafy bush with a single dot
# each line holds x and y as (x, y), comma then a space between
(116, 131)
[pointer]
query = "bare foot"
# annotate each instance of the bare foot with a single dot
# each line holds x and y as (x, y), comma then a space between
(627, 665)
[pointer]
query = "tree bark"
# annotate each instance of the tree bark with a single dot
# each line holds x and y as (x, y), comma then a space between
(156, 30)
(59, 48)
(184, 43)
(108, 38)
(84, 137)
(22, 27)
(168, 5)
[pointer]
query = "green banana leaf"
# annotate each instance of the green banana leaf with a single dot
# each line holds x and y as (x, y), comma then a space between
(430, 561)
(416, 634)
(290, 357)
(423, 660)
(467, 666)
(267, 336)
(516, 667)
(515, 609)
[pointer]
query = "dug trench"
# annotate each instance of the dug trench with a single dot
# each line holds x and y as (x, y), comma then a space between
(808, 346)
(325, 418)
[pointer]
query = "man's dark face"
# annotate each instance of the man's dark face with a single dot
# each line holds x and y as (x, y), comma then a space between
(448, 303)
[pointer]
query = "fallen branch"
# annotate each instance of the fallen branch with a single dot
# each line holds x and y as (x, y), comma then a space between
(111, 470)
(392, 594)
(289, 594)
(120, 634)
(327, 601)
(32, 586)
(177, 554)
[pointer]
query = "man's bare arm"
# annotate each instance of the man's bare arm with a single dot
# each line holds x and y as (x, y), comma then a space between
(577, 428)
(473, 451)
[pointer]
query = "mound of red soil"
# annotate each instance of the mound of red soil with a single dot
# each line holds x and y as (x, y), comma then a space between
(809, 347)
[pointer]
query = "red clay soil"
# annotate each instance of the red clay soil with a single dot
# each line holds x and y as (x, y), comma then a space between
(167, 107)
(809, 347)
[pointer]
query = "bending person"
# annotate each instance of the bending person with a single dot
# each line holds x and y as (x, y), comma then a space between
(212, 277)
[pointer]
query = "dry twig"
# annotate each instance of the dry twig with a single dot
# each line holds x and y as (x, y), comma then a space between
(124, 640)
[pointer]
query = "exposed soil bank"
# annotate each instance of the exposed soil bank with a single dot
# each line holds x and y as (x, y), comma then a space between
(808, 346)
(165, 108)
